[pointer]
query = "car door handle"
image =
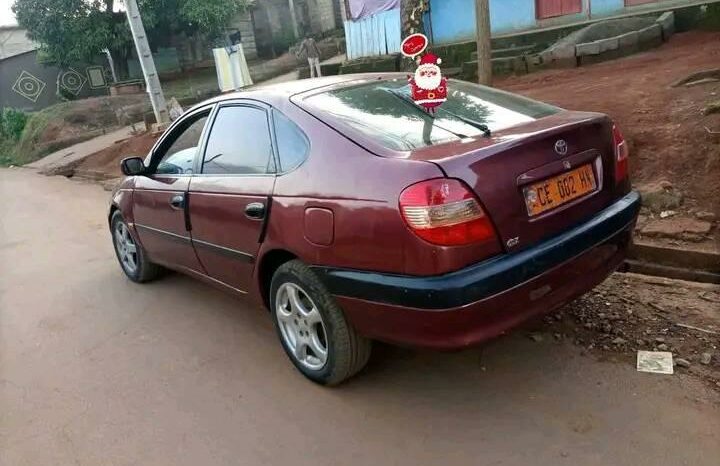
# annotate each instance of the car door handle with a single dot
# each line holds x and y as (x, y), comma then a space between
(255, 210)
(178, 202)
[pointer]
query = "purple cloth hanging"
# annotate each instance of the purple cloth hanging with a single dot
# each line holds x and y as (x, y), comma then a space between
(363, 8)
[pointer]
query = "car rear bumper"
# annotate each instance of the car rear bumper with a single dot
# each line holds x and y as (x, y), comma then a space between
(479, 302)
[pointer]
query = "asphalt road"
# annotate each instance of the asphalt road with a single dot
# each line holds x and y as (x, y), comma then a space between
(95, 370)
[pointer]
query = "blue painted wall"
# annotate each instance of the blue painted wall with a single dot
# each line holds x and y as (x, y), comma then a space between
(606, 7)
(454, 20)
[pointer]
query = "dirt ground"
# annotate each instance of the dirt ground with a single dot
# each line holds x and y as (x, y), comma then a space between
(96, 370)
(68, 123)
(630, 312)
(664, 126)
(107, 161)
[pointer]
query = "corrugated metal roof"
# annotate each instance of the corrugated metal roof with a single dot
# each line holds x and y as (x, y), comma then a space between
(14, 41)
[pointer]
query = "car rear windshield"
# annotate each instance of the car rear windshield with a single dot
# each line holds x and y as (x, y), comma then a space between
(385, 112)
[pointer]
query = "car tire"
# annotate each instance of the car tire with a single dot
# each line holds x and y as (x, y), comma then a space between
(139, 270)
(347, 352)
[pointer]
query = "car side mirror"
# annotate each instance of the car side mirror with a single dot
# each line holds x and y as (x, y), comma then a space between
(132, 166)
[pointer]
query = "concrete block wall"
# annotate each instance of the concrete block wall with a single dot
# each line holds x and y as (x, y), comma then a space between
(244, 24)
(624, 44)
(322, 15)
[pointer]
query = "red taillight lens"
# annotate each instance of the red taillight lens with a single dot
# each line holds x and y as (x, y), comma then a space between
(445, 212)
(621, 154)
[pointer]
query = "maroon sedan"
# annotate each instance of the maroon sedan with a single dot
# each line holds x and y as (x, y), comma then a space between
(353, 215)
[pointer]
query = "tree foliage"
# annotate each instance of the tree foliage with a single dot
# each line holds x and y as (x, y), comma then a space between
(76, 31)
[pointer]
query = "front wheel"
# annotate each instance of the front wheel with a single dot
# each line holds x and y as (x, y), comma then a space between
(133, 259)
(312, 327)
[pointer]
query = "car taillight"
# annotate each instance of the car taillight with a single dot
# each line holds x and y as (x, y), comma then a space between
(445, 212)
(621, 154)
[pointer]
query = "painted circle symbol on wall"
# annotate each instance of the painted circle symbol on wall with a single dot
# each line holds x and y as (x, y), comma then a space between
(72, 81)
(29, 86)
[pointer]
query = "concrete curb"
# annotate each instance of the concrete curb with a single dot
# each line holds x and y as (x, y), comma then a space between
(685, 264)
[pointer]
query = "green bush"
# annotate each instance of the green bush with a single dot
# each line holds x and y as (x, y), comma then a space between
(12, 123)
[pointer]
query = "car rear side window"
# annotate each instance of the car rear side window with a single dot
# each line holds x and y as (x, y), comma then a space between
(385, 112)
(292, 144)
(239, 143)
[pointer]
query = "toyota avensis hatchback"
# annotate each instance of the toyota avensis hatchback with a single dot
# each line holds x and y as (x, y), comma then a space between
(354, 215)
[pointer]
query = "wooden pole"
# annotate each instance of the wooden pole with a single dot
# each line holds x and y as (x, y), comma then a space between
(484, 44)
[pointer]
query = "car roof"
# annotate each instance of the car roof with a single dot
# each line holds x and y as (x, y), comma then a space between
(273, 93)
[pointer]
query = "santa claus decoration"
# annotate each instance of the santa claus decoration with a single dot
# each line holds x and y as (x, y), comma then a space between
(428, 86)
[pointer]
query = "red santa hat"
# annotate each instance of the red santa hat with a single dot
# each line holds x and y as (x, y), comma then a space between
(429, 59)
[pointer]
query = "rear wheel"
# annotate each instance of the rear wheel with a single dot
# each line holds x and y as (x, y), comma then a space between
(312, 327)
(130, 254)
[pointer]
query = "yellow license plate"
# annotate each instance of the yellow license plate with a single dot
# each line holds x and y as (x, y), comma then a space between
(559, 190)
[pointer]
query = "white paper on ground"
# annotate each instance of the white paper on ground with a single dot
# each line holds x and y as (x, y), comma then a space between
(655, 362)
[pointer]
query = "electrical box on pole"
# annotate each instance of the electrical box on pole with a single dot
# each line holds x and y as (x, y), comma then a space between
(152, 81)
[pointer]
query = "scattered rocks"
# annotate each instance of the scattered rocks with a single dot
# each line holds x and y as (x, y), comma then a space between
(677, 228)
(680, 362)
(706, 216)
(661, 196)
(630, 324)
(712, 107)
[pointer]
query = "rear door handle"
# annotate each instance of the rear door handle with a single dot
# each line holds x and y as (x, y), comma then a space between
(177, 202)
(255, 210)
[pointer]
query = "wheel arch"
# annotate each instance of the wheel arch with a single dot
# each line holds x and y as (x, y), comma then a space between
(111, 212)
(269, 262)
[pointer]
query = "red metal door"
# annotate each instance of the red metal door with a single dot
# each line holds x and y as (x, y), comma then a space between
(230, 197)
(160, 197)
(552, 8)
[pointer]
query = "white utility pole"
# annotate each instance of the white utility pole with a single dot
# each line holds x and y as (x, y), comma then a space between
(293, 18)
(152, 81)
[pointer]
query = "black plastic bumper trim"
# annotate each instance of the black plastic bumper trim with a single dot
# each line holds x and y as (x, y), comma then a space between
(489, 277)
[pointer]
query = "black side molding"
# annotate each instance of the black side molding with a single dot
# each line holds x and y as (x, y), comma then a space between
(166, 234)
(231, 253)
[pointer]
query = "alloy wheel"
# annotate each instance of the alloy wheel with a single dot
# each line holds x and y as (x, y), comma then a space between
(126, 248)
(301, 326)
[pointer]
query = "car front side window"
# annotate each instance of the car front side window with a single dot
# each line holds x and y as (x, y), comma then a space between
(179, 156)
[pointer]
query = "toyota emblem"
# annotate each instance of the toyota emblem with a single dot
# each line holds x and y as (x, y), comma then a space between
(561, 147)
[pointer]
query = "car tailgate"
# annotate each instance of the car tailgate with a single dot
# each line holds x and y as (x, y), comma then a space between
(502, 168)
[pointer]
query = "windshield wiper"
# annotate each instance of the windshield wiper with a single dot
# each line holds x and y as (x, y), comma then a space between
(426, 116)
(468, 121)
(476, 124)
